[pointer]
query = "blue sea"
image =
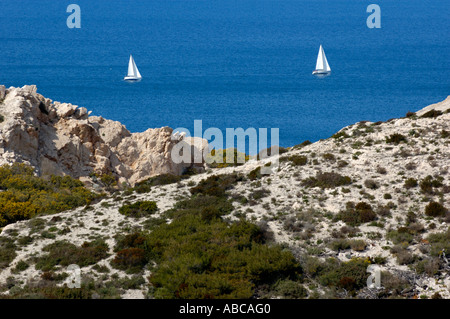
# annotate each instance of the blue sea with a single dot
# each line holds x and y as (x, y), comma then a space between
(231, 63)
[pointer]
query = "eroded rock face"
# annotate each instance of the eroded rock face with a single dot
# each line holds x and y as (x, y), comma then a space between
(60, 138)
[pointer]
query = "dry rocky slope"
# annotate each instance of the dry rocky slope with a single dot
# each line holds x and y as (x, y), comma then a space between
(302, 203)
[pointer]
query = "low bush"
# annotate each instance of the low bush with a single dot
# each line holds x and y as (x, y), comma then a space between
(326, 180)
(133, 240)
(340, 244)
(197, 259)
(196, 204)
(329, 157)
(342, 163)
(340, 135)
(289, 289)
(254, 174)
(358, 214)
(216, 185)
(396, 138)
(400, 236)
(301, 145)
(351, 275)
(7, 252)
(64, 253)
(410, 183)
(358, 245)
(431, 114)
(131, 259)
(163, 179)
(371, 184)
(435, 209)
(440, 243)
(257, 194)
(25, 195)
(428, 184)
(139, 209)
(298, 160)
(429, 266)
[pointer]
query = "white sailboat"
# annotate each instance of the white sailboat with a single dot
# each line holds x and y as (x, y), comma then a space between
(322, 66)
(133, 72)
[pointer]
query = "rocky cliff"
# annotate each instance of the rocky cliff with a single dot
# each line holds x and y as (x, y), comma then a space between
(61, 138)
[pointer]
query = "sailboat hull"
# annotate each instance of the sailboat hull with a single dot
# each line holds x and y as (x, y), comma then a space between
(321, 72)
(131, 79)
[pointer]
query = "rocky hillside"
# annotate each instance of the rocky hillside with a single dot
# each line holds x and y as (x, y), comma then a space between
(60, 138)
(372, 194)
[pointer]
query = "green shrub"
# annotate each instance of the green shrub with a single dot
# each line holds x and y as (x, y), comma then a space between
(289, 289)
(435, 209)
(396, 138)
(108, 180)
(298, 160)
(21, 266)
(371, 184)
(25, 195)
(326, 180)
(428, 266)
(7, 252)
(340, 244)
(195, 204)
(64, 253)
(410, 183)
(400, 236)
(216, 185)
(163, 179)
(257, 194)
(329, 157)
(358, 245)
(339, 135)
(432, 114)
(200, 258)
(139, 209)
(255, 174)
(428, 183)
(133, 240)
(351, 275)
(342, 163)
(131, 259)
(440, 242)
(355, 215)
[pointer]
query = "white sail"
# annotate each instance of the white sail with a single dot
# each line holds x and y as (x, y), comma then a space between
(319, 63)
(322, 63)
(133, 72)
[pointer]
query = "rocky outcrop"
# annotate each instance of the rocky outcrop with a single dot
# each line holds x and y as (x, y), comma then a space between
(61, 138)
